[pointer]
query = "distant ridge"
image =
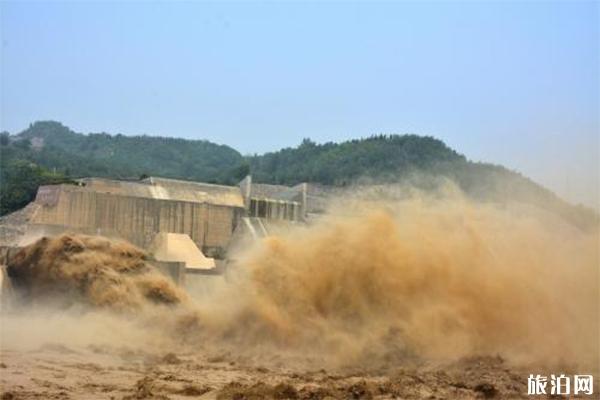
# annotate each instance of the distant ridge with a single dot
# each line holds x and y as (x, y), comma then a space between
(117, 156)
(48, 151)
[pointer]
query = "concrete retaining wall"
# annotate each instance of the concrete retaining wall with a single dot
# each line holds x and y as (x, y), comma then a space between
(137, 219)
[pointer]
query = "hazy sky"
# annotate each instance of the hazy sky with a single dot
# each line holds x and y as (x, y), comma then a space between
(510, 83)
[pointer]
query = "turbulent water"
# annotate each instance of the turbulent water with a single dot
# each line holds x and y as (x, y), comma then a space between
(428, 277)
(435, 278)
(72, 270)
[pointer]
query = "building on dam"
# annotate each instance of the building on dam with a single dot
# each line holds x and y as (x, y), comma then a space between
(138, 211)
(191, 230)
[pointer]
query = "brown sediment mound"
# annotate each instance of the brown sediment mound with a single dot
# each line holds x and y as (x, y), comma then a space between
(92, 270)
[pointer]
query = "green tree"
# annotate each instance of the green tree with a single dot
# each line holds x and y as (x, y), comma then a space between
(19, 181)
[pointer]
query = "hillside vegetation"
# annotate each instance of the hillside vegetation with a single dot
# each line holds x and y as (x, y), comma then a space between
(421, 161)
(384, 157)
(49, 152)
(55, 146)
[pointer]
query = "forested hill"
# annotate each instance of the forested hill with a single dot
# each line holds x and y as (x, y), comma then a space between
(420, 161)
(55, 146)
(49, 152)
(382, 157)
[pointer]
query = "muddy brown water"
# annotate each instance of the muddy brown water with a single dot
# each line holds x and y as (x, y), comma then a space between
(425, 299)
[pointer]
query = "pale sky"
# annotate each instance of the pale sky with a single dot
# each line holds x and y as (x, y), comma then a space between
(510, 83)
